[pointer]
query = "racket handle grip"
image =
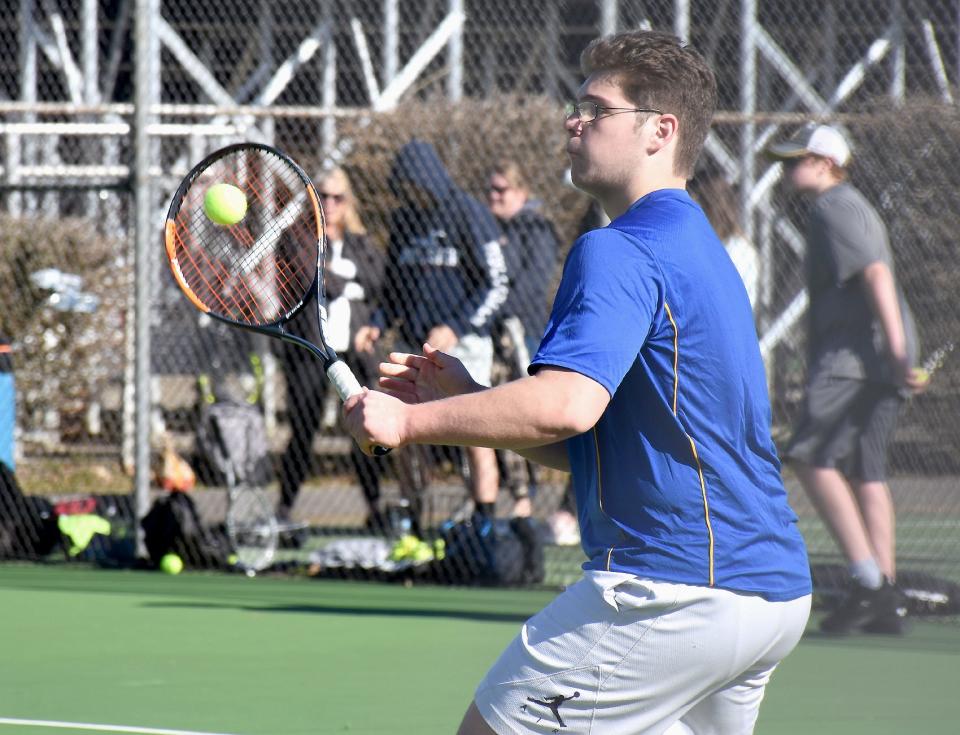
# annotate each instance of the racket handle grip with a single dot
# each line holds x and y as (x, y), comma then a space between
(346, 385)
(343, 380)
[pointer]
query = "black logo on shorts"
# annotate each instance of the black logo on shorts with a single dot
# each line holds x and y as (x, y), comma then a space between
(553, 704)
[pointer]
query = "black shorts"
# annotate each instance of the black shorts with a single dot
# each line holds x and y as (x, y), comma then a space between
(847, 425)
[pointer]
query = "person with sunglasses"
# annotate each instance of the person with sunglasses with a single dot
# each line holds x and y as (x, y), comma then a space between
(649, 388)
(354, 274)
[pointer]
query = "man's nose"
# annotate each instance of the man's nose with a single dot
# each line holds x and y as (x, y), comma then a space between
(573, 124)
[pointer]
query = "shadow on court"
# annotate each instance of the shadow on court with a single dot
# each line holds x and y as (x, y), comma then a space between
(421, 612)
(925, 636)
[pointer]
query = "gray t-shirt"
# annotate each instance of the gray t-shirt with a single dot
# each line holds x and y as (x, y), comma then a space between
(845, 235)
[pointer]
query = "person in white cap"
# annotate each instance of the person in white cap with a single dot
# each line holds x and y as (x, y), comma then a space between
(861, 351)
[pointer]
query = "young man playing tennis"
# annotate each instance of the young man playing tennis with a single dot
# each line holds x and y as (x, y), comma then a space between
(648, 386)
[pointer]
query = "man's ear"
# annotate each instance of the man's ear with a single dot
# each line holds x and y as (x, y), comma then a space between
(663, 133)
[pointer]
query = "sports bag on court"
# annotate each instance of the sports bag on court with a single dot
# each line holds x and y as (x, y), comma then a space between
(28, 524)
(233, 432)
(173, 525)
(484, 551)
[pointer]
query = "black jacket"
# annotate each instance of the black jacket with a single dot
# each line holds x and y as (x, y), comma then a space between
(369, 262)
(444, 262)
(531, 251)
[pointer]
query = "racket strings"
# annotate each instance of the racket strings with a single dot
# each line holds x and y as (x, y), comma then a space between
(259, 269)
(220, 292)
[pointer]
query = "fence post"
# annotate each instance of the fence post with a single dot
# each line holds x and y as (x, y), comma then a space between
(143, 195)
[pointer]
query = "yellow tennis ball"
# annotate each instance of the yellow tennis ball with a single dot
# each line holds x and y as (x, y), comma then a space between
(423, 552)
(224, 204)
(922, 375)
(171, 564)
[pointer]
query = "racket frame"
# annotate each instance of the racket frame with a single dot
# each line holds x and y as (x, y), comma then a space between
(340, 376)
(267, 531)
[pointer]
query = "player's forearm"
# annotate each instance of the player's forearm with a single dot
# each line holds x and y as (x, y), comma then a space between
(531, 412)
(882, 297)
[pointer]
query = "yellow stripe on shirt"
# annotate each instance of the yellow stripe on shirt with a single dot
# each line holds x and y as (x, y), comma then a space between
(693, 446)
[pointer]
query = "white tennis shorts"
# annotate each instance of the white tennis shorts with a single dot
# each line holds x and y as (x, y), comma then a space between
(476, 354)
(618, 655)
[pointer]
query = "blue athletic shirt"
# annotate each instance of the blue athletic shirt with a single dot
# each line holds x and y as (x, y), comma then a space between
(679, 481)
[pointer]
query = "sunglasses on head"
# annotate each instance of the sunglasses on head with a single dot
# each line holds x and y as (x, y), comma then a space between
(334, 197)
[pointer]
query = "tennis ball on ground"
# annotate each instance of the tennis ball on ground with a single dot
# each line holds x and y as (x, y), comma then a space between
(171, 564)
(224, 204)
(404, 548)
(423, 552)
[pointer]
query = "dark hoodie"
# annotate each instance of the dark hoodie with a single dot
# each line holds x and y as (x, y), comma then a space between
(532, 253)
(444, 263)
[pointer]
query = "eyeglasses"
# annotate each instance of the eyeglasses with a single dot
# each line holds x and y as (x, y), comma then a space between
(587, 112)
(338, 198)
(498, 189)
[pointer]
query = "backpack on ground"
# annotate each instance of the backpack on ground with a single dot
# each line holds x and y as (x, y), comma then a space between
(237, 428)
(481, 550)
(28, 524)
(173, 525)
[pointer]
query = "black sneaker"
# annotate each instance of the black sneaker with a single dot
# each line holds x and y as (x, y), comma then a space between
(892, 620)
(863, 608)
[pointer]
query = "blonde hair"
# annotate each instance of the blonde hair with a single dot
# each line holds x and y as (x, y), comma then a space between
(351, 217)
(838, 172)
(511, 171)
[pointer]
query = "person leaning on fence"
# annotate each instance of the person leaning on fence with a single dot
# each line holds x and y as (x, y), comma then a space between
(862, 347)
(354, 271)
(531, 252)
(719, 202)
(445, 284)
(649, 388)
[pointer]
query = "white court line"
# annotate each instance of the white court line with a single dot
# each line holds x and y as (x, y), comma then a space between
(102, 728)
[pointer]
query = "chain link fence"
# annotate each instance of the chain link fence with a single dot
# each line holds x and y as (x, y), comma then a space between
(345, 85)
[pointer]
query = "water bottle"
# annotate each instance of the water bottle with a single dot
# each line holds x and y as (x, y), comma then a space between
(8, 404)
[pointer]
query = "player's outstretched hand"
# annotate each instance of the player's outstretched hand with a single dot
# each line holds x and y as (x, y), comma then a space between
(375, 419)
(427, 377)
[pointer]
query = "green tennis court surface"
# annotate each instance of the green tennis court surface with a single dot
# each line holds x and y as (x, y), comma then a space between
(146, 653)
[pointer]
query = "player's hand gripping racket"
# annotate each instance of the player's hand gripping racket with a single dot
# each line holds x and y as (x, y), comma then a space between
(254, 263)
(931, 365)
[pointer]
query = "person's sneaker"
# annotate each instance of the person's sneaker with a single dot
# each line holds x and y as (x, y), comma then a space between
(892, 620)
(865, 607)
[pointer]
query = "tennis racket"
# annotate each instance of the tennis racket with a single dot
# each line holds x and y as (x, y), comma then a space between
(229, 432)
(261, 271)
(932, 364)
(936, 358)
(252, 527)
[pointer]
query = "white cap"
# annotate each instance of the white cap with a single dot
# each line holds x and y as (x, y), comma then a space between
(817, 140)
